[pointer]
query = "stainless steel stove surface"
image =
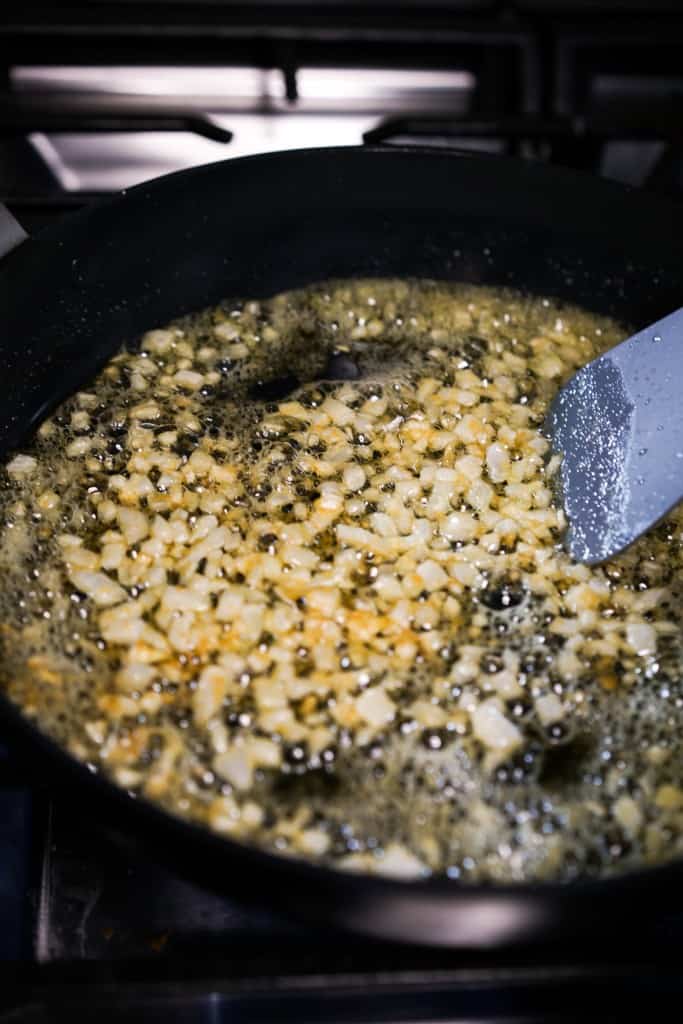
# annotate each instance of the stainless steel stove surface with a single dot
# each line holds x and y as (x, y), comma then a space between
(98, 97)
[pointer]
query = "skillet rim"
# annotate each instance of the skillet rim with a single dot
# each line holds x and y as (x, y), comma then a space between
(611, 190)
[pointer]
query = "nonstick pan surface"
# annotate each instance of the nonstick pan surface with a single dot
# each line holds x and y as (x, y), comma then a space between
(256, 226)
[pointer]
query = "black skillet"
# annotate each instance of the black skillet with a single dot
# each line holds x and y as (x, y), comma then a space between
(253, 227)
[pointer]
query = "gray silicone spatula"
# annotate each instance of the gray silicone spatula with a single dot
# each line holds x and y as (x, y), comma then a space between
(618, 424)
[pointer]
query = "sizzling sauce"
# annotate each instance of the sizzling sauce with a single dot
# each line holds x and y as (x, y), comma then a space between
(294, 569)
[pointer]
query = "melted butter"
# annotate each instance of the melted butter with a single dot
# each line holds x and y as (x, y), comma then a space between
(411, 786)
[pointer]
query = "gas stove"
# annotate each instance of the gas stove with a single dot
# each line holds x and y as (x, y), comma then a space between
(102, 96)
(99, 97)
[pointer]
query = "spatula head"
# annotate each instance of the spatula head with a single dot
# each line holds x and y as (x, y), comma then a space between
(618, 424)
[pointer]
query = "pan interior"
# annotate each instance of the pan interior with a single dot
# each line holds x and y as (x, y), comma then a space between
(504, 716)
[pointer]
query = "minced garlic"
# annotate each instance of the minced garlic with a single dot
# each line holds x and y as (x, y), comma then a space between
(294, 569)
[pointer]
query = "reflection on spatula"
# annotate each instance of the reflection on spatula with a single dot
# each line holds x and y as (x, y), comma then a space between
(618, 425)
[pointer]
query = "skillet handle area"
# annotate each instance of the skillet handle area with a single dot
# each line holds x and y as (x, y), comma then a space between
(11, 232)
